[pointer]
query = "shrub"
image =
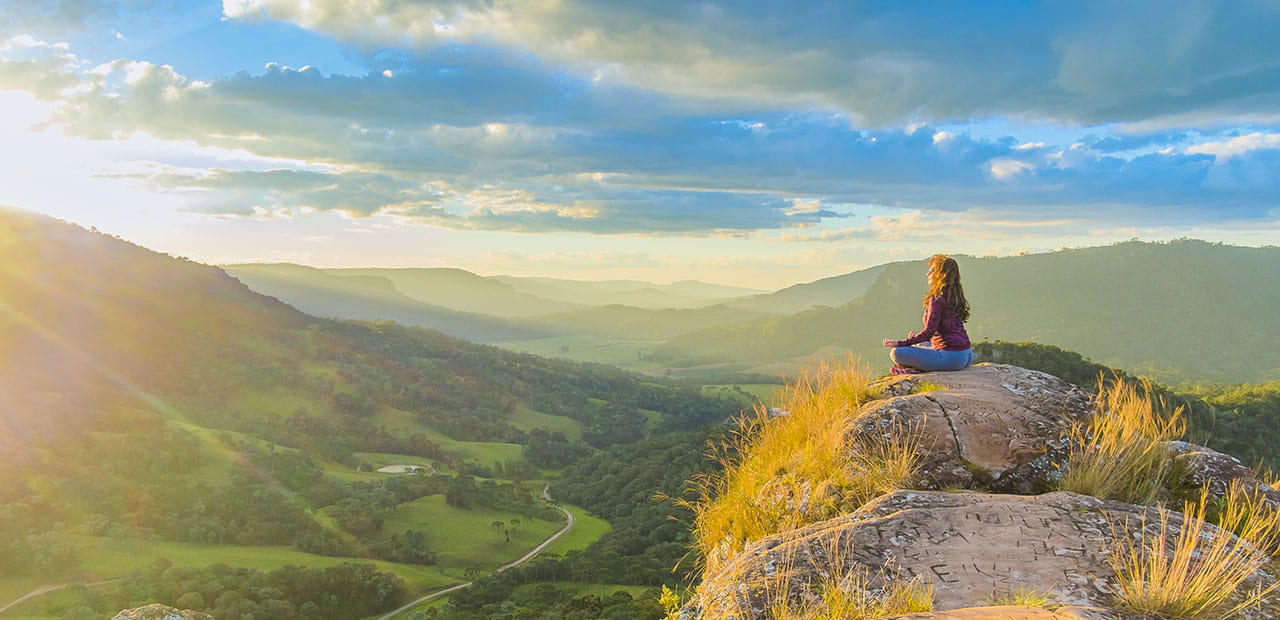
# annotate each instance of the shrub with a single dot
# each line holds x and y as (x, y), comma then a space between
(1121, 453)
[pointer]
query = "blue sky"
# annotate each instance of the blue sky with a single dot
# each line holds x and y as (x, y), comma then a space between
(752, 143)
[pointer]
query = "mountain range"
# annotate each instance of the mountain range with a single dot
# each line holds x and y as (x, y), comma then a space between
(1182, 311)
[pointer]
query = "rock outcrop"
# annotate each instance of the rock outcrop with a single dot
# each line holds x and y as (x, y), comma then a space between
(157, 611)
(993, 428)
(972, 547)
(1201, 467)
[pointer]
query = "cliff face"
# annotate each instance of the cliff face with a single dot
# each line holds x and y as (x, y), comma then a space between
(997, 439)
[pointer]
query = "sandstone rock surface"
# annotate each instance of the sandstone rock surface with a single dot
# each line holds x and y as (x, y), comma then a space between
(996, 426)
(156, 611)
(1205, 467)
(972, 547)
(1019, 612)
(990, 427)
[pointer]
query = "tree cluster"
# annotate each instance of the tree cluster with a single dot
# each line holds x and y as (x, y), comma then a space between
(288, 593)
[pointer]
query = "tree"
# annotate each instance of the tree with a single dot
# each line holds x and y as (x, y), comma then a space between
(190, 600)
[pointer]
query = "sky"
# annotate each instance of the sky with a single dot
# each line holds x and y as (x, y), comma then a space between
(757, 144)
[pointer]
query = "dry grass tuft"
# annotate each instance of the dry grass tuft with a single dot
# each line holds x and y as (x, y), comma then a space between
(852, 597)
(1121, 452)
(1195, 571)
(1026, 597)
(789, 471)
(844, 591)
(1246, 513)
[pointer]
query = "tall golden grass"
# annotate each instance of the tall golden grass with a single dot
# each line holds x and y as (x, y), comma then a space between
(1245, 512)
(1196, 571)
(853, 597)
(785, 472)
(1121, 453)
(841, 591)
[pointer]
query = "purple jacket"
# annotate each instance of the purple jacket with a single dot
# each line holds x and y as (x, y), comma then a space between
(942, 327)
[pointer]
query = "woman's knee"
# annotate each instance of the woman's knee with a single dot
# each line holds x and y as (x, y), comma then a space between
(893, 354)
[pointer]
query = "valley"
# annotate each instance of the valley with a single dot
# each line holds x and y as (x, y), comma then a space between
(245, 435)
(195, 431)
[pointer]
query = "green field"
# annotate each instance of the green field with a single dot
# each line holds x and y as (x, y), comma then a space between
(279, 402)
(528, 419)
(106, 559)
(463, 537)
(626, 354)
(586, 530)
(382, 459)
(764, 391)
(651, 418)
(484, 452)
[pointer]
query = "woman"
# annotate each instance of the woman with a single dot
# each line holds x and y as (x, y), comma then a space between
(945, 311)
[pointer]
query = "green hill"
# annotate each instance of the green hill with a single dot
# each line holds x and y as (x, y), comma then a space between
(153, 404)
(833, 291)
(1182, 311)
(376, 296)
(458, 289)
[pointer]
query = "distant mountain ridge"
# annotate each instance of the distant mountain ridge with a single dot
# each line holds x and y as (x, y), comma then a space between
(645, 295)
(351, 294)
(1181, 311)
(832, 291)
(447, 289)
(627, 322)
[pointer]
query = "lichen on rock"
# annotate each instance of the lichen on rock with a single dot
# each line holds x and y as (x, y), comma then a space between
(156, 611)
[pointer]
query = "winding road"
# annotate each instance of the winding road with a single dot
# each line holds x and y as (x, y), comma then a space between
(569, 522)
(50, 588)
(546, 494)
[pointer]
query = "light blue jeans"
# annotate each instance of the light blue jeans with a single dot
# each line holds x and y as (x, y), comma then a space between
(929, 360)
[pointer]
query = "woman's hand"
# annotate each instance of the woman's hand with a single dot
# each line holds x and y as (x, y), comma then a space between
(889, 342)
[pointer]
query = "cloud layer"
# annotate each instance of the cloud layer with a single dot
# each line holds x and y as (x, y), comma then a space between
(1079, 62)
(673, 118)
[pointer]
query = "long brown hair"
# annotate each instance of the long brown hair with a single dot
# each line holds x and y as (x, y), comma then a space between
(944, 281)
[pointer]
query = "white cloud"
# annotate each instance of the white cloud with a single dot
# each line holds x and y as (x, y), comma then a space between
(1006, 168)
(1239, 145)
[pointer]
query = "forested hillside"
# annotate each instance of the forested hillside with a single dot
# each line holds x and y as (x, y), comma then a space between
(149, 398)
(1183, 311)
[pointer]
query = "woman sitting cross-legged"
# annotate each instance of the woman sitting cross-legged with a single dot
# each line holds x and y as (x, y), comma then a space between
(945, 311)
